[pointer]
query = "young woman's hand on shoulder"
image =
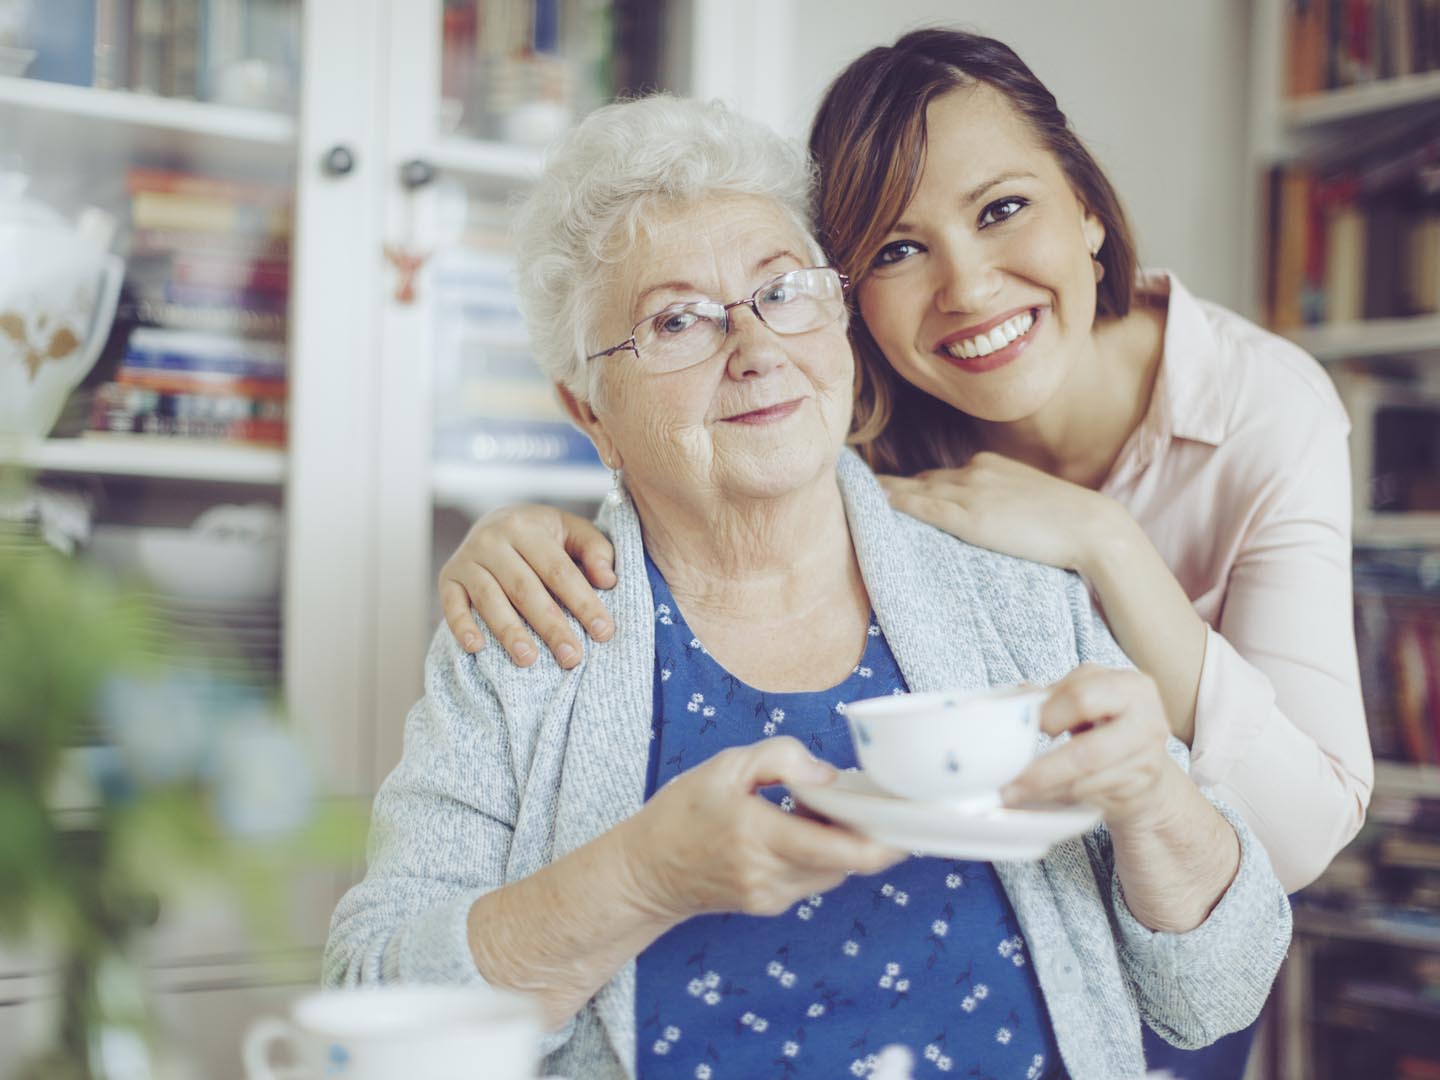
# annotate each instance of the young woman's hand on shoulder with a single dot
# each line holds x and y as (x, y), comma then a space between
(520, 565)
(999, 503)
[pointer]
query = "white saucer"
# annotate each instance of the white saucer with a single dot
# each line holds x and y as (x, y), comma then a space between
(937, 828)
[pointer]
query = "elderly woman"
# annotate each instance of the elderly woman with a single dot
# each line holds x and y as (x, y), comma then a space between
(598, 837)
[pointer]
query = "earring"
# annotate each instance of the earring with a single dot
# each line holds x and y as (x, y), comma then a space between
(617, 493)
(1099, 266)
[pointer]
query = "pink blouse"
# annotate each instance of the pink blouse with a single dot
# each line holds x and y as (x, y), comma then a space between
(1240, 475)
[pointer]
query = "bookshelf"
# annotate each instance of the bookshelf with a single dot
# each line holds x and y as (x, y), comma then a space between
(1361, 102)
(1335, 221)
(1370, 338)
(88, 103)
(481, 159)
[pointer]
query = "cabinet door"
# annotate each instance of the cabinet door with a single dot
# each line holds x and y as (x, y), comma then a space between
(330, 606)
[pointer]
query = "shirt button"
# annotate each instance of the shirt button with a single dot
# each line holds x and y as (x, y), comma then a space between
(1068, 976)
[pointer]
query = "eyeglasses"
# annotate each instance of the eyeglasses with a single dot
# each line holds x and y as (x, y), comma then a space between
(683, 335)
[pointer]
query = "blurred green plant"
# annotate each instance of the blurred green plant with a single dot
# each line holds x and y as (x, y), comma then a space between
(125, 785)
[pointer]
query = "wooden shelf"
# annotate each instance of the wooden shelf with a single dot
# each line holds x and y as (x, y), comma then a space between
(173, 459)
(1376, 337)
(1354, 102)
(1350, 927)
(1399, 780)
(148, 111)
(477, 159)
(462, 485)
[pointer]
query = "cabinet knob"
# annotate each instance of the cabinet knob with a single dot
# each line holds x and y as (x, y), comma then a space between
(339, 161)
(416, 173)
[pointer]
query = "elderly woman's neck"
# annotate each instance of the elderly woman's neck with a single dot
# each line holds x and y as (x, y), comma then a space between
(753, 557)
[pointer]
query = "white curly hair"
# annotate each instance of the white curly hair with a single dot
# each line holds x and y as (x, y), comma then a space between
(606, 179)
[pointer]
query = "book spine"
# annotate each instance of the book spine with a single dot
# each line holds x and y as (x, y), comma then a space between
(179, 182)
(158, 210)
(199, 382)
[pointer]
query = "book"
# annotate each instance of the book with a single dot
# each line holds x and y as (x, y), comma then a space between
(64, 42)
(1290, 257)
(1409, 694)
(166, 210)
(147, 241)
(1344, 264)
(218, 271)
(184, 182)
(498, 440)
(149, 51)
(112, 34)
(255, 324)
(213, 352)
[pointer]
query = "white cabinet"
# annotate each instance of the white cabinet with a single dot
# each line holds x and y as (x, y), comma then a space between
(374, 152)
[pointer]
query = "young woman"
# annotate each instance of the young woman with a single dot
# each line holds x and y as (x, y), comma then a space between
(1033, 394)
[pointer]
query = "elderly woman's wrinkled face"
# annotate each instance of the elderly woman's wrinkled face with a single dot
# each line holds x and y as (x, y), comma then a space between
(767, 412)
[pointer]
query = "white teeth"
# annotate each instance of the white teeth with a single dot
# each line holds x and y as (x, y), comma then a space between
(997, 338)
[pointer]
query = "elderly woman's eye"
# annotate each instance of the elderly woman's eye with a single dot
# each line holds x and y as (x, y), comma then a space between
(675, 322)
(894, 253)
(779, 293)
(1002, 210)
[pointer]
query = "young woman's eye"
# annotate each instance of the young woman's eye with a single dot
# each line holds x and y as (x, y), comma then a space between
(1002, 210)
(894, 253)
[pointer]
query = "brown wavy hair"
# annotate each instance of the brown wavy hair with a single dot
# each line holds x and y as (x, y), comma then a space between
(868, 141)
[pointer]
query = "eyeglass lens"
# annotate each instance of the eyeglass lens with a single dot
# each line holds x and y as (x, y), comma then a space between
(686, 334)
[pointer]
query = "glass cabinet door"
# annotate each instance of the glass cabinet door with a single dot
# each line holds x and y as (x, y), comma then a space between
(478, 89)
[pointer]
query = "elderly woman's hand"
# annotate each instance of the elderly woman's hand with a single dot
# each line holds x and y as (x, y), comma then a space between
(1174, 852)
(513, 567)
(707, 843)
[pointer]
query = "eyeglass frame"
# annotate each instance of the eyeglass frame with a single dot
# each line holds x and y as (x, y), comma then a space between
(751, 301)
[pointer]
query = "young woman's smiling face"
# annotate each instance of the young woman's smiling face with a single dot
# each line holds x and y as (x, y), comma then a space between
(983, 294)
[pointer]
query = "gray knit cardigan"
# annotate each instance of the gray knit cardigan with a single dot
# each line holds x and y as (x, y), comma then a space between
(506, 769)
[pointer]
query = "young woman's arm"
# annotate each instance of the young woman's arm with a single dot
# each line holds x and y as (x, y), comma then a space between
(522, 564)
(1268, 699)
(998, 503)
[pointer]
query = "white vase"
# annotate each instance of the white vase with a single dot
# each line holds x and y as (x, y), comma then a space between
(59, 285)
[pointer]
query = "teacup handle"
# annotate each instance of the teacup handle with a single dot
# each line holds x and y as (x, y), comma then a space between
(263, 1034)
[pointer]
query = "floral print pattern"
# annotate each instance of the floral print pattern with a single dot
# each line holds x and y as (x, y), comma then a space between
(928, 954)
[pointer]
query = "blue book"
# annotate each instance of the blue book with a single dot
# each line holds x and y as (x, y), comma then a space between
(62, 33)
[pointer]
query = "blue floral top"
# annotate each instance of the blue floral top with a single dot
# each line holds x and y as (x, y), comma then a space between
(927, 954)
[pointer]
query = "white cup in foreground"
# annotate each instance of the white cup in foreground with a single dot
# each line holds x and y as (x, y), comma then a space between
(952, 747)
(380, 1033)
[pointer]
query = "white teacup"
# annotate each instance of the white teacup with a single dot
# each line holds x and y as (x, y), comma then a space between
(952, 747)
(380, 1033)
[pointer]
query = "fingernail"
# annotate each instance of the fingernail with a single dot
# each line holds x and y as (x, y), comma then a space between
(599, 627)
(523, 651)
(471, 642)
(567, 654)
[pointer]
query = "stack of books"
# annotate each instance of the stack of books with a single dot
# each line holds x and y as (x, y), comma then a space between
(1332, 44)
(518, 70)
(209, 254)
(493, 405)
(240, 52)
(1354, 230)
(198, 386)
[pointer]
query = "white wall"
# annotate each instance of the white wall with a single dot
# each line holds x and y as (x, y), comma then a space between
(1157, 88)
